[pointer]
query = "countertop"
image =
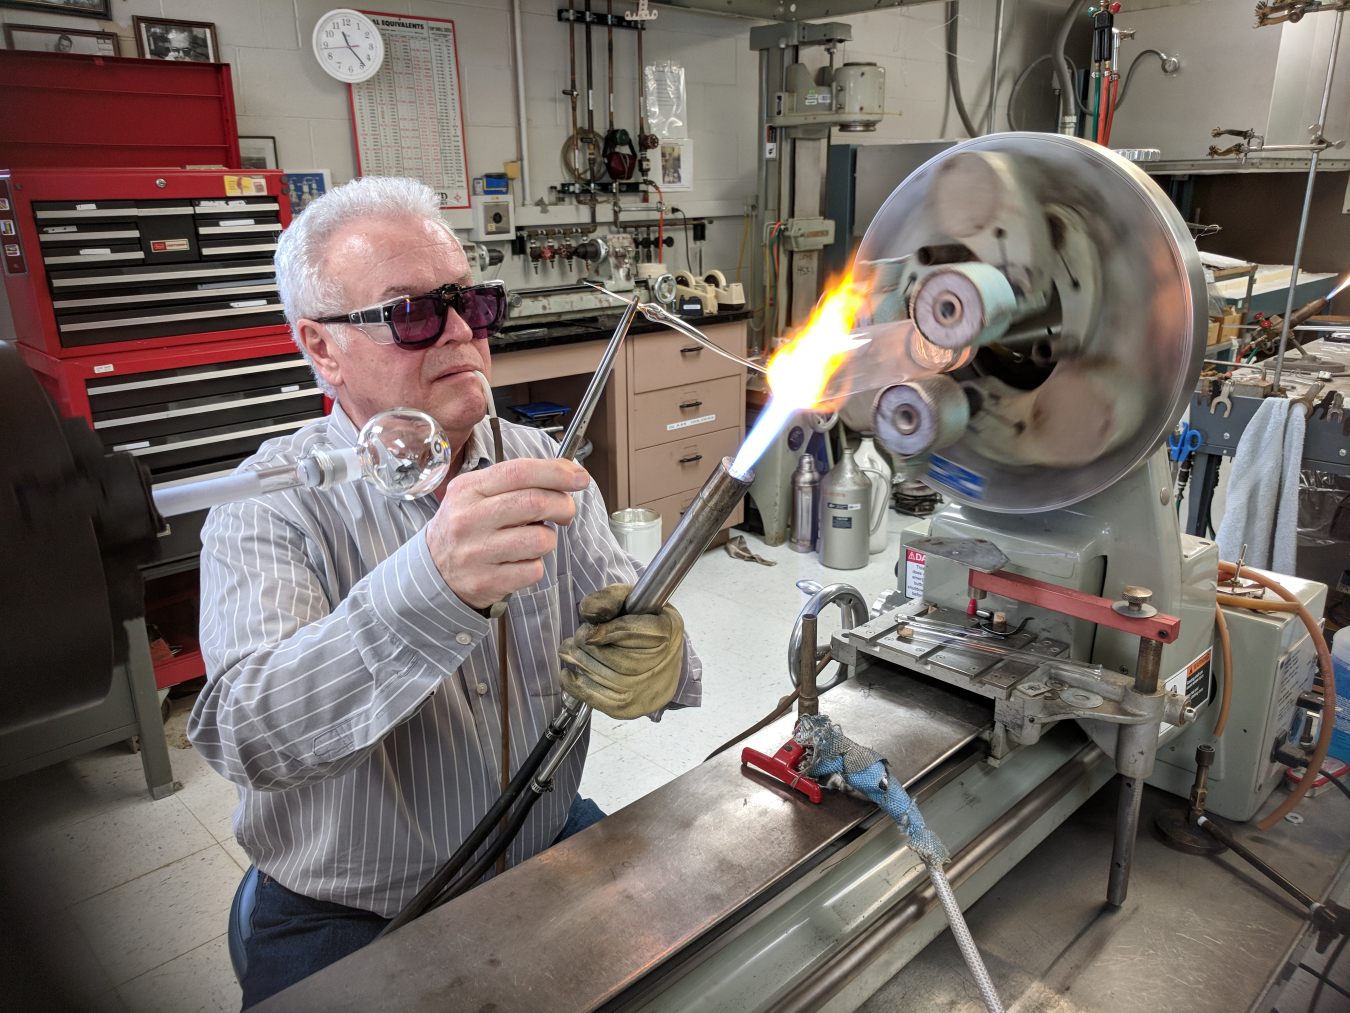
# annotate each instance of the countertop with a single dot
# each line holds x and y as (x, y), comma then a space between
(525, 336)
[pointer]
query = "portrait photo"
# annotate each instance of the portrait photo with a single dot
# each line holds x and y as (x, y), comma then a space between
(45, 39)
(163, 39)
(101, 9)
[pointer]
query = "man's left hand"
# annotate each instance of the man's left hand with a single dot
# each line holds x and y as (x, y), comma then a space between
(623, 666)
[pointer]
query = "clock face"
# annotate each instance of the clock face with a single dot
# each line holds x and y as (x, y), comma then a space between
(348, 45)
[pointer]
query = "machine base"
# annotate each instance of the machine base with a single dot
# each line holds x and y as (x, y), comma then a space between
(1180, 834)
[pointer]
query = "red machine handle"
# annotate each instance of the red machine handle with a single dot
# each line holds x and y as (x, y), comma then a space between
(1075, 603)
(783, 766)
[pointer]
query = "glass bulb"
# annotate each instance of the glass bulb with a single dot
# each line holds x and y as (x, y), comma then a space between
(403, 452)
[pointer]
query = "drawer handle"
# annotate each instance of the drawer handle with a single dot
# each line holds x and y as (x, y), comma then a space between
(691, 349)
(691, 404)
(691, 460)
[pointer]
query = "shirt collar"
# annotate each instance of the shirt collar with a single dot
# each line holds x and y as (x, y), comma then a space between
(477, 454)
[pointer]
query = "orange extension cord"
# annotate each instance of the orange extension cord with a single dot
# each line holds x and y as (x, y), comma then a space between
(1292, 605)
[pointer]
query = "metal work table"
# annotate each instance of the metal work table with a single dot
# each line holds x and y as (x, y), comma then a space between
(1203, 935)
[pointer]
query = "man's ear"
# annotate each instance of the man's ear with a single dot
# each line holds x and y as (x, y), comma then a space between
(323, 350)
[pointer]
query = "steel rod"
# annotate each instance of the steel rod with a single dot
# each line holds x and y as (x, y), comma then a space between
(581, 418)
(998, 53)
(677, 556)
(1307, 203)
(1224, 837)
(1122, 848)
(808, 701)
(523, 126)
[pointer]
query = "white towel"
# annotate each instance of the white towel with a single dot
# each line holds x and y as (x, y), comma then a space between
(1262, 511)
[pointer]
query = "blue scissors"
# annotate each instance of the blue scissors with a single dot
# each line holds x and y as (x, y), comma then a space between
(1181, 445)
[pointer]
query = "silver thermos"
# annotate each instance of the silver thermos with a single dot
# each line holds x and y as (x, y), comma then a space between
(805, 504)
(845, 516)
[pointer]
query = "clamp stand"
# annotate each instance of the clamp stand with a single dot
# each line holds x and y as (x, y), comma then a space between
(1180, 828)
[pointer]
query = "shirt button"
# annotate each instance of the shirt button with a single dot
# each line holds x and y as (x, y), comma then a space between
(463, 638)
(481, 688)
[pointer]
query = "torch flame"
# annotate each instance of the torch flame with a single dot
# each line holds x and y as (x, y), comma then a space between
(800, 370)
(1339, 288)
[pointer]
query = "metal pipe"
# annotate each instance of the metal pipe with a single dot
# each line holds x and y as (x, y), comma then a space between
(807, 700)
(1224, 837)
(701, 521)
(191, 496)
(1068, 94)
(862, 950)
(1146, 667)
(1122, 849)
(522, 125)
(1307, 203)
(998, 52)
(581, 418)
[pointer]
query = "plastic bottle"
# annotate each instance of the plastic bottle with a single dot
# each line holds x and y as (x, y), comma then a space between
(1340, 662)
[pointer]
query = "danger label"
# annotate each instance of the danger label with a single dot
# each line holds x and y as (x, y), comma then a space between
(1192, 682)
(914, 565)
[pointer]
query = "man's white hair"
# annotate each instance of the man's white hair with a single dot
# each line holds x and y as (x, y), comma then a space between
(307, 289)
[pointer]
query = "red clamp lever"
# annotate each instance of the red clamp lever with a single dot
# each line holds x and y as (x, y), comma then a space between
(783, 766)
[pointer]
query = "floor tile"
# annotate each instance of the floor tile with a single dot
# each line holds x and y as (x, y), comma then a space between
(620, 776)
(206, 794)
(55, 796)
(200, 981)
(94, 855)
(165, 913)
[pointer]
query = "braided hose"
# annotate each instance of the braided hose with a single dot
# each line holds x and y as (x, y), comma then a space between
(839, 759)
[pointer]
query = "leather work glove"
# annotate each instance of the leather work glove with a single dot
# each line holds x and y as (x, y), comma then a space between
(626, 666)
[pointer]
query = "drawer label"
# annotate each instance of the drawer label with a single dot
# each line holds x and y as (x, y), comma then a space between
(168, 245)
(96, 251)
(244, 186)
(107, 367)
(690, 422)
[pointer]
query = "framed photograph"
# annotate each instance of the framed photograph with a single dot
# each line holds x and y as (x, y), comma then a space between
(163, 39)
(258, 153)
(45, 39)
(305, 186)
(677, 163)
(101, 9)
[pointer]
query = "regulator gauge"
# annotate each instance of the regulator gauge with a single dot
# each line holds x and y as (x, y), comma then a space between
(348, 45)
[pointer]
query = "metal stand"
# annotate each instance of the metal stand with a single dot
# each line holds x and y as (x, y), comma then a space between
(1139, 753)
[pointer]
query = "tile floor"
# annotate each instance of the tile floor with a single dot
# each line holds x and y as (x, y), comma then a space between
(133, 895)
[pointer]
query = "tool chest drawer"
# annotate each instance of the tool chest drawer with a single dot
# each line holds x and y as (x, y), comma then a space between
(681, 466)
(667, 359)
(203, 419)
(102, 305)
(137, 258)
(679, 413)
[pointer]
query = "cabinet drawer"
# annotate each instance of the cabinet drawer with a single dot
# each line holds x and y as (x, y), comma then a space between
(677, 467)
(680, 413)
(668, 360)
(672, 508)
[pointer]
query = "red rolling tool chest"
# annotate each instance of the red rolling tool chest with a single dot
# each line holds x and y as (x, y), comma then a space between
(144, 297)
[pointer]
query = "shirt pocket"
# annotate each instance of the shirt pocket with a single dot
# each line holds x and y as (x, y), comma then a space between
(536, 632)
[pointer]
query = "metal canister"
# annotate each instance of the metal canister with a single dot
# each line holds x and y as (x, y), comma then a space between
(805, 501)
(845, 512)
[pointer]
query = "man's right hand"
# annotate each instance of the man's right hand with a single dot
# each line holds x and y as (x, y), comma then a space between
(488, 539)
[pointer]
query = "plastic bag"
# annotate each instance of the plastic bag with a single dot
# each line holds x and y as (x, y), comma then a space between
(666, 108)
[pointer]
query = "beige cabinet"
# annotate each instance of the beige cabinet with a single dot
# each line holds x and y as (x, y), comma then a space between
(671, 411)
(686, 411)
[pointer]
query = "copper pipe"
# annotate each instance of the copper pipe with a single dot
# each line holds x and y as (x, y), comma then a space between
(1226, 643)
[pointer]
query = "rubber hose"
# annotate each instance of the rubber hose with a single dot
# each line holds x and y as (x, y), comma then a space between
(1162, 58)
(500, 843)
(1226, 643)
(1017, 86)
(953, 76)
(1319, 754)
(1066, 89)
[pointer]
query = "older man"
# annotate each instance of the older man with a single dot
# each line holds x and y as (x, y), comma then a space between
(352, 689)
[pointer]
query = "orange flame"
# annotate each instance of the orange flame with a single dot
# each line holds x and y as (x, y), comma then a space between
(800, 370)
(1344, 282)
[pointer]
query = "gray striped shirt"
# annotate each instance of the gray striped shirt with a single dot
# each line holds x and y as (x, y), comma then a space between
(353, 698)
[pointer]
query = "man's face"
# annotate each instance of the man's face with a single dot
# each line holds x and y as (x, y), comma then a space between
(379, 259)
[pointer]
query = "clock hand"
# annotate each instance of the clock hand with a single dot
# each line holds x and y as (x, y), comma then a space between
(353, 49)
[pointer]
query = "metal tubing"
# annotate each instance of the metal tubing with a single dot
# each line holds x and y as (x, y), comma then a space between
(998, 52)
(522, 128)
(701, 521)
(860, 952)
(1224, 837)
(1307, 204)
(581, 418)
(1122, 850)
(1146, 667)
(807, 700)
